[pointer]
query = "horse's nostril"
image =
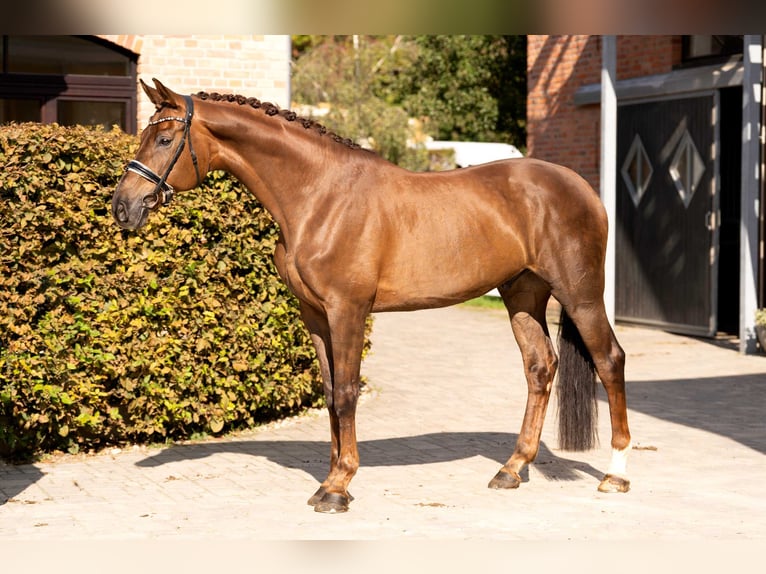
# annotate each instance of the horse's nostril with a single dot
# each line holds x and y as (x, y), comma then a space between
(121, 212)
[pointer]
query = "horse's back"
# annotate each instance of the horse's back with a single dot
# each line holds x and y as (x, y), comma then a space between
(559, 187)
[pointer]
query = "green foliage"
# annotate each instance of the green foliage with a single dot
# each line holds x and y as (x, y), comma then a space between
(109, 336)
(469, 88)
(335, 70)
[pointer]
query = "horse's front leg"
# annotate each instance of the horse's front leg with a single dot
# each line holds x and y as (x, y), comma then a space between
(318, 328)
(339, 349)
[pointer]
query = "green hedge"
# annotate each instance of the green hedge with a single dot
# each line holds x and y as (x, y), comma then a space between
(110, 336)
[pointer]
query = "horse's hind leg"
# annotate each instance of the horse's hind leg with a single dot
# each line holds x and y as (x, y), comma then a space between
(526, 299)
(609, 360)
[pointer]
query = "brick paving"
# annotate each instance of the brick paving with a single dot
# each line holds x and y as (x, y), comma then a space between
(441, 414)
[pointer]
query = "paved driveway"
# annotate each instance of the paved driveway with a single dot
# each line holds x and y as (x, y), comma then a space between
(444, 405)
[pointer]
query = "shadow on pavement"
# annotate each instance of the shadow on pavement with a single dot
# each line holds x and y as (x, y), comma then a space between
(14, 479)
(730, 406)
(312, 457)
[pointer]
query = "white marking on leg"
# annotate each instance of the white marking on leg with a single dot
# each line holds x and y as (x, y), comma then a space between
(619, 464)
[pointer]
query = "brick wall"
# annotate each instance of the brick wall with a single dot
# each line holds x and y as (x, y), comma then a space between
(646, 55)
(557, 66)
(257, 66)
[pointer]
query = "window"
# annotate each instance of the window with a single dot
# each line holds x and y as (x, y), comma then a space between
(700, 50)
(67, 79)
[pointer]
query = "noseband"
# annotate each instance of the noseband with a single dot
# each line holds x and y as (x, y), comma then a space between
(163, 191)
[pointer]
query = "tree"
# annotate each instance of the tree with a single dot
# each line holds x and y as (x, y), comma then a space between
(461, 87)
(345, 73)
(468, 87)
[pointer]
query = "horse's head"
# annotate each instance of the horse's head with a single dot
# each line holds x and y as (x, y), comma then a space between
(167, 159)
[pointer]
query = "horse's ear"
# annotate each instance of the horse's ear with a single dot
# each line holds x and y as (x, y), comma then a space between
(169, 97)
(153, 94)
(160, 95)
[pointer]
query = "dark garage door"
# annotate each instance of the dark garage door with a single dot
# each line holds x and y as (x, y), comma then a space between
(667, 206)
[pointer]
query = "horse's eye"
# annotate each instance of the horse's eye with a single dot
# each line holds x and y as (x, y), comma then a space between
(164, 141)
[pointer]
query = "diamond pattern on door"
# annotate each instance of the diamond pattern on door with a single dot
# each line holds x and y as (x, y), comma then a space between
(687, 168)
(637, 170)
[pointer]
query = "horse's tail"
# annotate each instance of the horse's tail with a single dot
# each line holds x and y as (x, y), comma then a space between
(576, 390)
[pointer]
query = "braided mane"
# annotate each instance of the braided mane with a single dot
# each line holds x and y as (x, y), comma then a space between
(273, 110)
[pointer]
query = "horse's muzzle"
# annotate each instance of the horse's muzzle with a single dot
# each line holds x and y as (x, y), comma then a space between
(127, 216)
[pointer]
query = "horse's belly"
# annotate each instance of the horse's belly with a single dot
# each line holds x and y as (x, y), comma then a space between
(441, 281)
(410, 301)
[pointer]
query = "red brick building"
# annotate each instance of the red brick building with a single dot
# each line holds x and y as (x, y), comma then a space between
(689, 190)
(558, 66)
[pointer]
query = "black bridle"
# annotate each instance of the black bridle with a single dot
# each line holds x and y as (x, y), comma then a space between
(163, 191)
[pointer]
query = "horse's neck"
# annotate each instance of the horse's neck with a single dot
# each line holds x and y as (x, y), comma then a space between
(272, 158)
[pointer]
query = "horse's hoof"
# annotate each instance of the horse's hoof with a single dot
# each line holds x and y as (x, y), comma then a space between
(612, 483)
(317, 496)
(505, 479)
(332, 503)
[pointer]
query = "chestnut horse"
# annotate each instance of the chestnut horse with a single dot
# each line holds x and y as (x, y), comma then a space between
(361, 235)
